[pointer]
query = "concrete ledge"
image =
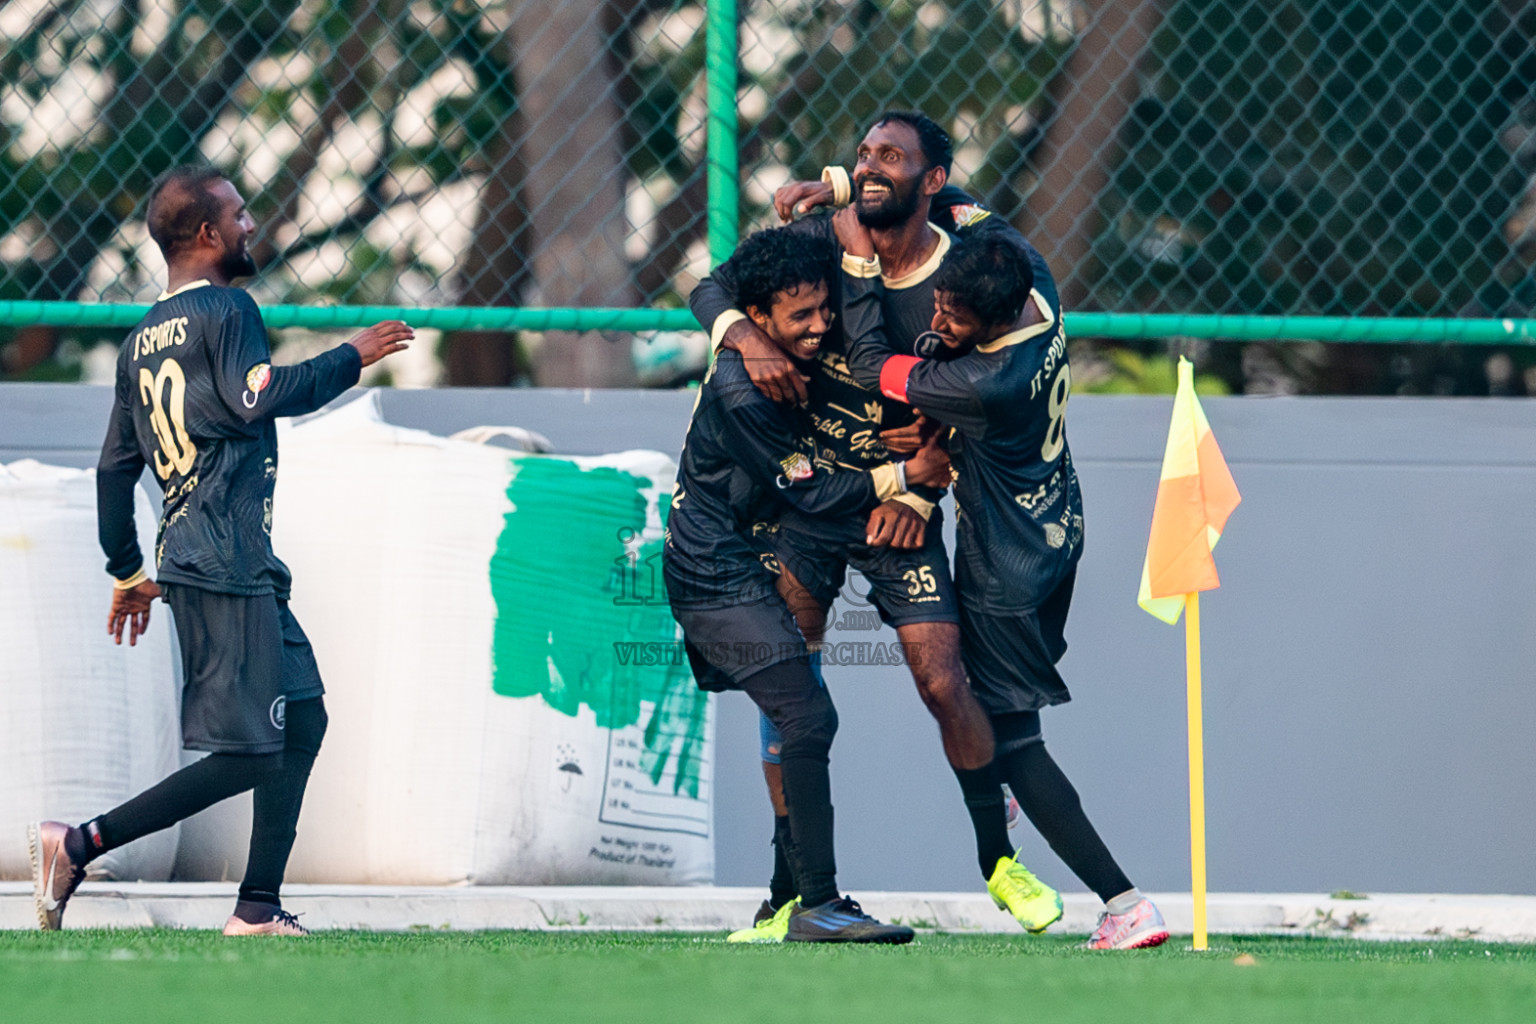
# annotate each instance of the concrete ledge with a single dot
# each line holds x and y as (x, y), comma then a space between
(705, 909)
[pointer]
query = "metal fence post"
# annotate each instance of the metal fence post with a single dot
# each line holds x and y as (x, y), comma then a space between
(724, 176)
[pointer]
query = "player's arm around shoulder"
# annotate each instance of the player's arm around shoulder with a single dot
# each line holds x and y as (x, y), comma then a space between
(713, 304)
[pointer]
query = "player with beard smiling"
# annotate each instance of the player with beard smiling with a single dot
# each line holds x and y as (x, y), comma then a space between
(902, 170)
(196, 400)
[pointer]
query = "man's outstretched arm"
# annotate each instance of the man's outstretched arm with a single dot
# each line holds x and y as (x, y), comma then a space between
(256, 390)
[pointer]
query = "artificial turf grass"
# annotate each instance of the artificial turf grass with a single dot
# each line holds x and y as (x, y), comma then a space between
(162, 975)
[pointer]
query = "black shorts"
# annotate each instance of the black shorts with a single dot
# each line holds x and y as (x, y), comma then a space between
(738, 631)
(905, 585)
(243, 658)
(1010, 657)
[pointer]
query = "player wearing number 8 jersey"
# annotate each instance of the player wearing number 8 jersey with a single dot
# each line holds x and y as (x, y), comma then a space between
(1001, 382)
(195, 401)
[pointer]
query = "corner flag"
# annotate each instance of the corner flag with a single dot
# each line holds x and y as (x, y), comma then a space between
(1194, 498)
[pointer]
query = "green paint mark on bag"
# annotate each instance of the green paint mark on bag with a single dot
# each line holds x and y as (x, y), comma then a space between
(581, 613)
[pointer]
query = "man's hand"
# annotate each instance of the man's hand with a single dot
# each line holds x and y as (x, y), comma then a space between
(852, 235)
(908, 439)
(895, 524)
(384, 338)
(770, 369)
(131, 607)
(800, 197)
(930, 466)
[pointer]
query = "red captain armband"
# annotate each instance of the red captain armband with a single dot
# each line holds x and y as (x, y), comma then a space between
(893, 376)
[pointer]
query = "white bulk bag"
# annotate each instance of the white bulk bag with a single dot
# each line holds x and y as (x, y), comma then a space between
(506, 704)
(84, 724)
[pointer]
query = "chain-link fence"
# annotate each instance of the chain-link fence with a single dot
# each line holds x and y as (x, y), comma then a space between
(1195, 156)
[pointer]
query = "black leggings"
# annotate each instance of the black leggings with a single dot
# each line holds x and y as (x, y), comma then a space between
(1048, 799)
(278, 779)
(802, 710)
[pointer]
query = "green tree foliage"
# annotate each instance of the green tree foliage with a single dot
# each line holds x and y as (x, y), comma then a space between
(1299, 156)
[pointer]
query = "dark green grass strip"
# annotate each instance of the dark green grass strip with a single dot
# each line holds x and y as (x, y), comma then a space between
(171, 976)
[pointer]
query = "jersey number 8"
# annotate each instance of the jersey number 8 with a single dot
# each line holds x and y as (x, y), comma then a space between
(1056, 433)
(168, 417)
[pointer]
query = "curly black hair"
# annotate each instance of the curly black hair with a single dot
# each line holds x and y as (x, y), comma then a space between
(989, 276)
(938, 149)
(778, 260)
(180, 203)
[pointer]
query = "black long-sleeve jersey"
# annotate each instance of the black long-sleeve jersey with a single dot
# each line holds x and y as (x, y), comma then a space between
(196, 400)
(1019, 521)
(745, 460)
(847, 415)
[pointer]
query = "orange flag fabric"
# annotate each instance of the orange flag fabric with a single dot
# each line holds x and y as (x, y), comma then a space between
(1195, 496)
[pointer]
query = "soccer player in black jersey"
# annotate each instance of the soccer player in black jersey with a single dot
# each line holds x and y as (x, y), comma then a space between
(197, 396)
(900, 190)
(744, 461)
(1001, 382)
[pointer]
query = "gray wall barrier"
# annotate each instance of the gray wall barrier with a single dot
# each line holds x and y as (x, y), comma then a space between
(1370, 713)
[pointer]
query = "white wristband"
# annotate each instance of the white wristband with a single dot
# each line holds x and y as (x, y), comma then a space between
(842, 186)
(901, 477)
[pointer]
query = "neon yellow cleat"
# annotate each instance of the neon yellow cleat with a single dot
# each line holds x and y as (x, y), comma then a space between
(768, 925)
(1032, 903)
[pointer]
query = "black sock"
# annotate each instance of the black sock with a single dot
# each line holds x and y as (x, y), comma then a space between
(277, 802)
(983, 793)
(1053, 807)
(77, 845)
(781, 888)
(808, 791)
(258, 907)
(800, 707)
(179, 795)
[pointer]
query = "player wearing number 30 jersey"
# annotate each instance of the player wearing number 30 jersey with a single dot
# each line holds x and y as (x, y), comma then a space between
(196, 401)
(196, 397)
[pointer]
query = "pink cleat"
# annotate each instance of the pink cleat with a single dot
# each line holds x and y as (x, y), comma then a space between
(54, 876)
(1141, 928)
(281, 923)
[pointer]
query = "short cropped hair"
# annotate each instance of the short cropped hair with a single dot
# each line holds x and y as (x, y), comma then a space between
(938, 149)
(778, 260)
(988, 275)
(181, 201)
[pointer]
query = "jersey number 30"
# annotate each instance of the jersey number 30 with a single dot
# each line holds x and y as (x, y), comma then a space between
(166, 395)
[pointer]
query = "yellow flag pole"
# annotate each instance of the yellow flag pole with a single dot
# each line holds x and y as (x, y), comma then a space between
(1196, 766)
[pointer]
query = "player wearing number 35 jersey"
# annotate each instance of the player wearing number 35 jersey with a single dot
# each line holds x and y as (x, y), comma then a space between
(196, 400)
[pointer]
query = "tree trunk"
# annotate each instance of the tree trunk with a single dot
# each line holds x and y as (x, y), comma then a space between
(1093, 93)
(495, 268)
(570, 147)
(347, 78)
